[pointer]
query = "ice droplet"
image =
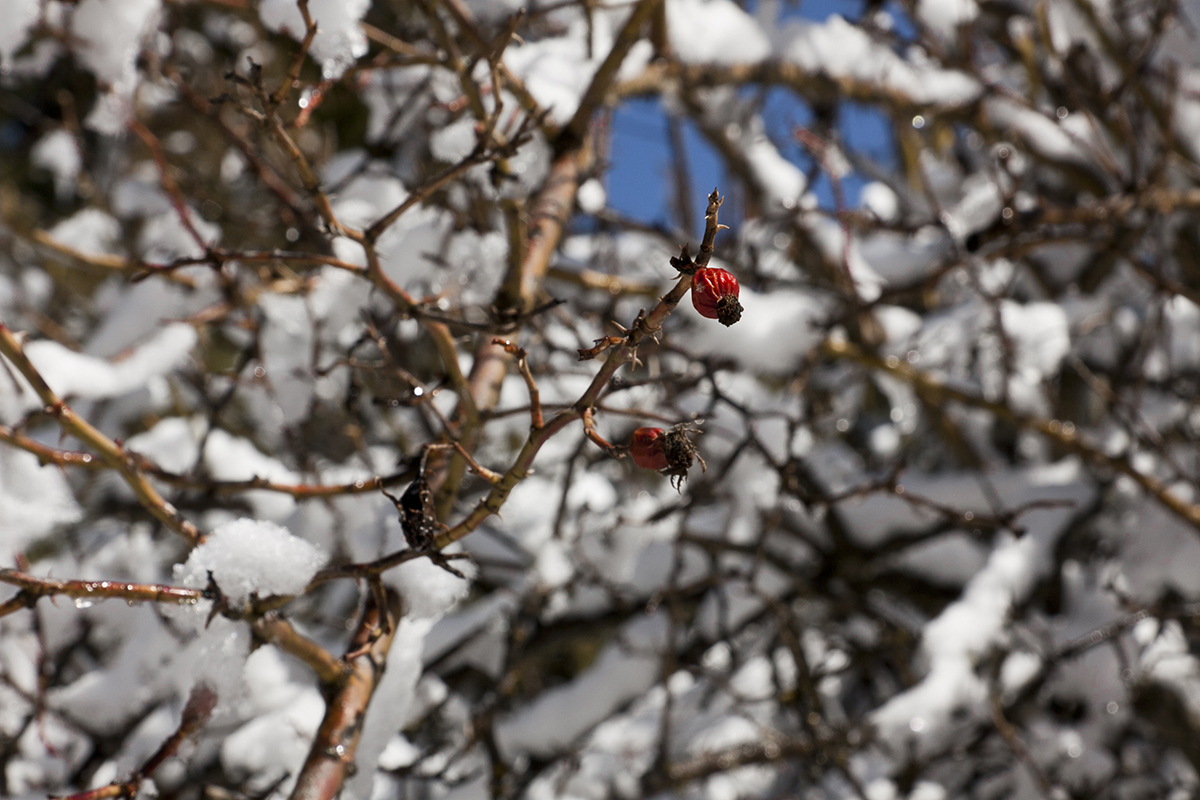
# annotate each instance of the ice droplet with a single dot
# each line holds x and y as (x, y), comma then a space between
(83, 602)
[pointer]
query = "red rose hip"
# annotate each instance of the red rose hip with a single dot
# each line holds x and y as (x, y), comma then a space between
(715, 295)
(646, 448)
(670, 452)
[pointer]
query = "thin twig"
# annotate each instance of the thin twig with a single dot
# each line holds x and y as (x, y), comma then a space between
(1062, 433)
(109, 451)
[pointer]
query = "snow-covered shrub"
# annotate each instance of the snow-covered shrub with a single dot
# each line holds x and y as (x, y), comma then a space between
(326, 327)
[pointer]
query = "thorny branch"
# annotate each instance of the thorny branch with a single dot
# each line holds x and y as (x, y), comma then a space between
(792, 608)
(107, 450)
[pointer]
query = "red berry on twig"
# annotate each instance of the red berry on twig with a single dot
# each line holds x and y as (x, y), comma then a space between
(646, 448)
(670, 452)
(715, 295)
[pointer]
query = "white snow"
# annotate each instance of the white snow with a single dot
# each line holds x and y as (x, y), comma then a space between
(556, 71)
(339, 41)
(966, 630)
(173, 444)
(107, 36)
(19, 17)
(428, 591)
(72, 374)
(591, 197)
(58, 153)
(622, 671)
(880, 200)
(839, 49)
(89, 230)
(250, 556)
(945, 16)
(1040, 335)
(391, 702)
(269, 746)
(34, 500)
(1046, 136)
(233, 458)
(776, 329)
(714, 32)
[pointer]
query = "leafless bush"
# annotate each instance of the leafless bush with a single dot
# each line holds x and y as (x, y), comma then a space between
(324, 350)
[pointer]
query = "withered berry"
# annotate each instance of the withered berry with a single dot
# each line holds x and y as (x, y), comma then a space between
(715, 295)
(670, 452)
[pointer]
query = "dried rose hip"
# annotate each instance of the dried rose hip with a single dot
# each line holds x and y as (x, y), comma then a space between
(646, 448)
(670, 452)
(715, 295)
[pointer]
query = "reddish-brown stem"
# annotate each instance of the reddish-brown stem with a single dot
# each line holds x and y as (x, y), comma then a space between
(331, 759)
(196, 714)
(293, 76)
(535, 402)
(275, 629)
(33, 587)
(168, 182)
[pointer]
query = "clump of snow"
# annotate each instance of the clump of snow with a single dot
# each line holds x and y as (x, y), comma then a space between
(46, 755)
(19, 17)
(1048, 137)
(751, 781)
(1182, 317)
(269, 747)
(880, 200)
(905, 259)
(134, 313)
(899, 324)
(428, 591)
(945, 16)
(109, 696)
(1040, 334)
(715, 32)
(556, 71)
(840, 49)
(339, 41)
(286, 349)
(248, 556)
(72, 374)
(164, 236)
(89, 231)
(776, 329)
(58, 153)
(453, 142)
(34, 500)
(173, 443)
(782, 180)
(109, 34)
(591, 197)
(391, 702)
(980, 205)
(232, 458)
(107, 37)
(623, 671)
